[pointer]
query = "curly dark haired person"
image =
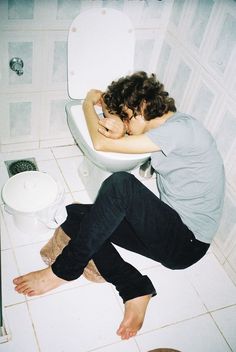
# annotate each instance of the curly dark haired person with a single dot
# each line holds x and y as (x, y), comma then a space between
(175, 229)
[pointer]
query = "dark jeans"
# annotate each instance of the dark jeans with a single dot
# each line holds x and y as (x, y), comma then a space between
(128, 214)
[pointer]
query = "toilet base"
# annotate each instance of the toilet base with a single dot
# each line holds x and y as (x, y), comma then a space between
(92, 177)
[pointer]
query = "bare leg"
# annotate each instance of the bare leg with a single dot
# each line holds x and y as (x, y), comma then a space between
(55, 246)
(135, 310)
(37, 282)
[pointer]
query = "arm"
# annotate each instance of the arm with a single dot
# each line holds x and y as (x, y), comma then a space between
(111, 126)
(126, 144)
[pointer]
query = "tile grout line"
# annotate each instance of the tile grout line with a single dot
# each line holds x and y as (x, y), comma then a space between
(33, 325)
(56, 160)
(221, 332)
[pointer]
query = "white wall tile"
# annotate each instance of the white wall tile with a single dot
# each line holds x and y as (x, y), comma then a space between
(53, 124)
(163, 61)
(224, 44)
(177, 12)
(180, 79)
(226, 133)
(225, 236)
(199, 21)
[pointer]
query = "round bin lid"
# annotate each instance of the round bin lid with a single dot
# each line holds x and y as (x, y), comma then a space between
(30, 191)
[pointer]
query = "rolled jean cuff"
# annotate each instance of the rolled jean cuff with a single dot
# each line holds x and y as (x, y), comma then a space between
(65, 274)
(143, 287)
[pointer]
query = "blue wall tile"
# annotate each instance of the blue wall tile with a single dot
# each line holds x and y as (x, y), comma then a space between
(20, 9)
(23, 50)
(20, 119)
(59, 74)
(67, 9)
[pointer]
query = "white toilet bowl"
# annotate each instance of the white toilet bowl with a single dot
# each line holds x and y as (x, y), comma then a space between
(100, 50)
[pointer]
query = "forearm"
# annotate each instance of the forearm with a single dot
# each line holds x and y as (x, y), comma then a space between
(92, 123)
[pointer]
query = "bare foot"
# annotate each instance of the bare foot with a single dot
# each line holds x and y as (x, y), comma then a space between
(135, 310)
(37, 282)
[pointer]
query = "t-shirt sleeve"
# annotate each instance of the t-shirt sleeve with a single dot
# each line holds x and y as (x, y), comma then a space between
(170, 136)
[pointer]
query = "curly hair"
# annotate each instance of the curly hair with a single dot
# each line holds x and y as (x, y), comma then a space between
(132, 91)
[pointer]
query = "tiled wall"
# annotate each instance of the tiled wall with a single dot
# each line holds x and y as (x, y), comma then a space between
(197, 63)
(32, 113)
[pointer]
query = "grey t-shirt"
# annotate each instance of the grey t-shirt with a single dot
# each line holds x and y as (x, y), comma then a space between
(190, 173)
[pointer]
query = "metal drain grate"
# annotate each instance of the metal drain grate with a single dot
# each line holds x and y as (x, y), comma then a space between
(16, 166)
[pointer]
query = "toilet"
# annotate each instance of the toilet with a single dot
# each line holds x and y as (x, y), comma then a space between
(101, 44)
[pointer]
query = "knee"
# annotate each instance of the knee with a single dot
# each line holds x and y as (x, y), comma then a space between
(117, 181)
(119, 178)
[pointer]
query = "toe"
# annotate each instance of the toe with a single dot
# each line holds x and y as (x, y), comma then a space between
(18, 280)
(21, 288)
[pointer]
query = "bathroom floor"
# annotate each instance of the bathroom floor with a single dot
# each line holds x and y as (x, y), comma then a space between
(194, 310)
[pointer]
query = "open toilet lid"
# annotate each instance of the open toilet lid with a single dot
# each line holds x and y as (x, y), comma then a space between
(30, 191)
(101, 46)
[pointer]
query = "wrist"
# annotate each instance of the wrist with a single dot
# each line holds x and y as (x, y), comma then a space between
(88, 102)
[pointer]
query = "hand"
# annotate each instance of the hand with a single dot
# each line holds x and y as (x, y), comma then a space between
(112, 127)
(94, 96)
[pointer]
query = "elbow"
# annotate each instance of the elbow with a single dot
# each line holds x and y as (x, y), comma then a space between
(98, 146)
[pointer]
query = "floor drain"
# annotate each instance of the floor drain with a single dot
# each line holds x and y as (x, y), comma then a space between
(16, 166)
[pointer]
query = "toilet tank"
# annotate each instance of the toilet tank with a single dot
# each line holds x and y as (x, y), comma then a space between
(100, 49)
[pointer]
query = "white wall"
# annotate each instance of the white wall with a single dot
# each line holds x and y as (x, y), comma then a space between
(197, 63)
(32, 113)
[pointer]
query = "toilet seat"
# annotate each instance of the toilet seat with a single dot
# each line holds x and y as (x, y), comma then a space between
(106, 39)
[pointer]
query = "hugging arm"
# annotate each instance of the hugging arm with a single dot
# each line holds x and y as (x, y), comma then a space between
(125, 144)
(111, 126)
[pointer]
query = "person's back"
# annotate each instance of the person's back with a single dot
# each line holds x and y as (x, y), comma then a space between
(190, 173)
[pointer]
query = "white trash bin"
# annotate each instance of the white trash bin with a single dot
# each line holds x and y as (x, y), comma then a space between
(35, 200)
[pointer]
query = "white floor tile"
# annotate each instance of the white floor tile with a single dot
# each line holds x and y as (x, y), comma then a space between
(138, 261)
(124, 346)
(69, 168)
(51, 167)
(195, 335)
(212, 283)
(68, 199)
(5, 240)
(176, 299)
(28, 259)
(78, 320)
(226, 322)
(82, 197)
(9, 272)
(21, 330)
(67, 151)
